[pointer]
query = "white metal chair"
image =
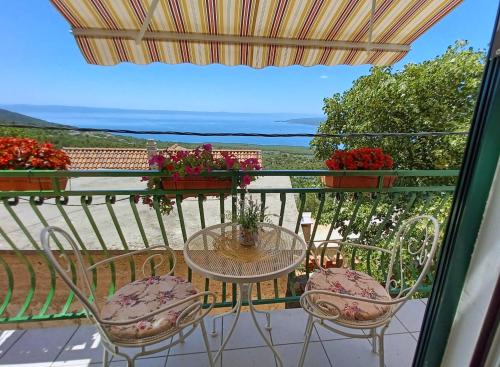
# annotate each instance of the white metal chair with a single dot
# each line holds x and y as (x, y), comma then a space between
(353, 299)
(140, 314)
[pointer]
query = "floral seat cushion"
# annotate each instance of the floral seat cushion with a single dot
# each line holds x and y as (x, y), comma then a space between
(142, 297)
(351, 282)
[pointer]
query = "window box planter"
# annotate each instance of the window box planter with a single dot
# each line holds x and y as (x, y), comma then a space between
(30, 183)
(195, 183)
(354, 182)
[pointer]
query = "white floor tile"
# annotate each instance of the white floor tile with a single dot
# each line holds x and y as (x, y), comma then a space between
(190, 360)
(22, 364)
(84, 362)
(395, 327)
(85, 344)
(194, 343)
(399, 350)
(8, 338)
(245, 335)
(248, 357)
(325, 334)
(38, 346)
(412, 314)
(143, 362)
(288, 326)
(132, 351)
(351, 353)
(315, 357)
(415, 336)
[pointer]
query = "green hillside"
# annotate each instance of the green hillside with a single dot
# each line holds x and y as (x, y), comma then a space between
(14, 118)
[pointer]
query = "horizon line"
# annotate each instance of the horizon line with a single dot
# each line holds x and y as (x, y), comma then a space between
(6, 105)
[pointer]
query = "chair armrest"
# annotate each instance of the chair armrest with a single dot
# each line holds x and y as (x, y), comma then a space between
(190, 310)
(353, 244)
(189, 313)
(145, 250)
(325, 243)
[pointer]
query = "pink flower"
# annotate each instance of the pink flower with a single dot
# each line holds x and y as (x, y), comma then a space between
(207, 147)
(193, 171)
(176, 176)
(246, 180)
(230, 160)
(144, 178)
(157, 159)
(147, 200)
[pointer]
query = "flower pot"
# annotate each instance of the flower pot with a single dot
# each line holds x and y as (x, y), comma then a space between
(30, 183)
(247, 237)
(354, 182)
(195, 183)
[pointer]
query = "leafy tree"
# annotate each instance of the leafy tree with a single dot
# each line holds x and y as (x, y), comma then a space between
(435, 95)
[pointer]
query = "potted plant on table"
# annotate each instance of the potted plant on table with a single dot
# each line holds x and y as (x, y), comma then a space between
(358, 159)
(29, 154)
(249, 218)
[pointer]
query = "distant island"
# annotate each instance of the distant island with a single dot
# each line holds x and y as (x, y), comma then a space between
(314, 121)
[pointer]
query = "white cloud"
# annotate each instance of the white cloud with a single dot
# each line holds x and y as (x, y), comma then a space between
(324, 76)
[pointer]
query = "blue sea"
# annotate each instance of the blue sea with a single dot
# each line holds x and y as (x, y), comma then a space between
(111, 118)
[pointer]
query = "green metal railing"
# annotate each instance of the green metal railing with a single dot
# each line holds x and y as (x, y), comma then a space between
(365, 215)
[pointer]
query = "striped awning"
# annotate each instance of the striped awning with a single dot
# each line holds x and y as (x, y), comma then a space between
(257, 33)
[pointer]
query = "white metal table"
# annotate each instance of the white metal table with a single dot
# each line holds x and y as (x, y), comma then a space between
(216, 252)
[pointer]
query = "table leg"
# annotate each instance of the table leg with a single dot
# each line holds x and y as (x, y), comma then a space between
(268, 319)
(246, 296)
(253, 311)
(236, 308)
(231, 311)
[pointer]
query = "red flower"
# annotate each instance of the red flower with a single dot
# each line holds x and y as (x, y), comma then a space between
(359, 159)
(22, 153)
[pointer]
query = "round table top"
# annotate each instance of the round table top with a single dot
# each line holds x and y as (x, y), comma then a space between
(217, 253)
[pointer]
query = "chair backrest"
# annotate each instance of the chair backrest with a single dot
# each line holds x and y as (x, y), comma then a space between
(71, 266)
(413, 253)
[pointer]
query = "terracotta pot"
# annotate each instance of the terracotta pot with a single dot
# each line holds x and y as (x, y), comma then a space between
(248, 238)
(193, 183)
(354, 182)
(30, 183)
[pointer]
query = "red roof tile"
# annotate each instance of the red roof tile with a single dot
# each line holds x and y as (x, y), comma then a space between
(131, 158)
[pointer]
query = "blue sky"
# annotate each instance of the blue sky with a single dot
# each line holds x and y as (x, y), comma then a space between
(41, 64)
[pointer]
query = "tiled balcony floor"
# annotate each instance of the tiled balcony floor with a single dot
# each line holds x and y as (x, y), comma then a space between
(79, 346)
